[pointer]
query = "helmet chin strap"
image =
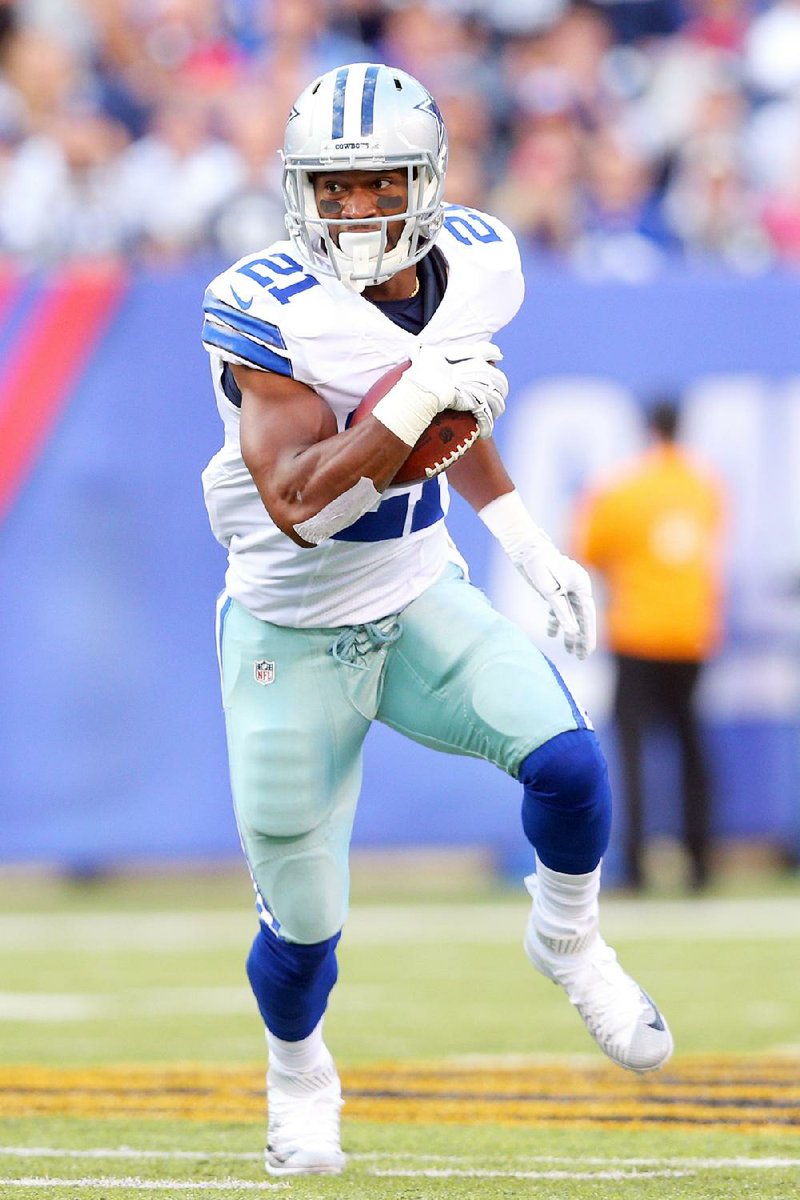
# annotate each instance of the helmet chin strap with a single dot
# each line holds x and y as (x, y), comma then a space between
(358, 253)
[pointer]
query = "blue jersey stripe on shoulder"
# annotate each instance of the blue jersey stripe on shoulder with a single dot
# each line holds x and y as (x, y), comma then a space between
(252, 326)
(245, 348)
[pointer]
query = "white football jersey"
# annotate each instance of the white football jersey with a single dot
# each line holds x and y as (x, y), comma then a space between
(270, 311)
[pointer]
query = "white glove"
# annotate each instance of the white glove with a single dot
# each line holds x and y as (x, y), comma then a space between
(480, 388)
(567, 588)
(436, 380)
(563, 583)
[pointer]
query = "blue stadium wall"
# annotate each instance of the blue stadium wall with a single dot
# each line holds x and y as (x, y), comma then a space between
(111, 728)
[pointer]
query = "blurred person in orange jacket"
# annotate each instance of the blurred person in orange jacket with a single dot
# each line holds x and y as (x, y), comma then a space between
(655, 533)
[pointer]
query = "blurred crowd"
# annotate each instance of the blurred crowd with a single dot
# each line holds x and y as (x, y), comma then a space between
(615, 135)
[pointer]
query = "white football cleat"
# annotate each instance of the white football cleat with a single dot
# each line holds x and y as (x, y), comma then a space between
(620, 1016)
(303, 1122)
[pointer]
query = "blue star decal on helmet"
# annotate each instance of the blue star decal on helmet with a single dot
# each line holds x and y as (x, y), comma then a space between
(429, 105)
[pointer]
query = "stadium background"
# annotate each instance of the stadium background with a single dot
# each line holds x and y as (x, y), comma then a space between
(111, 726)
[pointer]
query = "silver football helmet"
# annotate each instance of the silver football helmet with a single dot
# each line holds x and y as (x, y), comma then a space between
(365, 117)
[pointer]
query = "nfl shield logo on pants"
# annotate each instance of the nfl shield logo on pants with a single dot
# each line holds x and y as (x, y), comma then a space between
(264, 671)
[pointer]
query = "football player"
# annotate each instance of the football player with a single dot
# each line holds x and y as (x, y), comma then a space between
(345, 601)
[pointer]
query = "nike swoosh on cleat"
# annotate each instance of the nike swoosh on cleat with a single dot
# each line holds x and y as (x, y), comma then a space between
(658, 1020)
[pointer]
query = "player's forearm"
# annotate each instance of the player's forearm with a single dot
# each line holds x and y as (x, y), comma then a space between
(480, 475)
(301, 484)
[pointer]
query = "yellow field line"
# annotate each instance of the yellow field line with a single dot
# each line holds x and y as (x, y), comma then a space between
(747, 1093)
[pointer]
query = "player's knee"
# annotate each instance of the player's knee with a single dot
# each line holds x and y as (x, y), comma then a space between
(566, 805)
(568, 772)
(307, 892)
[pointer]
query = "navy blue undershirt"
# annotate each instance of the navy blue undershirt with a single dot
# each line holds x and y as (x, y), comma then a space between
(414, 313)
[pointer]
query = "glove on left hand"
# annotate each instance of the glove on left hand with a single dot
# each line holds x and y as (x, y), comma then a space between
(562, 582)
(480, 387)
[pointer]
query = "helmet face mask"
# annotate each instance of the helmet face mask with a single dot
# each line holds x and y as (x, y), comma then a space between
(364, 117)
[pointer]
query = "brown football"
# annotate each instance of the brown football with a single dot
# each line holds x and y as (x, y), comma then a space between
(449, 435)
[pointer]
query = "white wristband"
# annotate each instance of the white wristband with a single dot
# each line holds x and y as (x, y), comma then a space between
(507, 518)
(340, 513)
(425, 388)
(406, 410)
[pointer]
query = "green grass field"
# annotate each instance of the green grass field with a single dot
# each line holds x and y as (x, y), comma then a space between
(131, 1055)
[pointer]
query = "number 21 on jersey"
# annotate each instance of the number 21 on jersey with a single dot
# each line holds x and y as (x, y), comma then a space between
(263, 272)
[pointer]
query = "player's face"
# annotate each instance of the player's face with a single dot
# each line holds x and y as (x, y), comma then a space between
(359, 197)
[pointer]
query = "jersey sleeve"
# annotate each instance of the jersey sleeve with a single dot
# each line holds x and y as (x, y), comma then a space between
(242, 336)
(251, 308)
(484, 254)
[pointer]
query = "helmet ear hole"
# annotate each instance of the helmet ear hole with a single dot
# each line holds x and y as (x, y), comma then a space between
(365, 116)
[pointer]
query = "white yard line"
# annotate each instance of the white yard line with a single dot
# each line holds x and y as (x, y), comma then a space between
(144, 1185)
(668, 1164)
(681, 919)
(452, 1173)
(142, 1002)
(704, 1164)
(108, 932)
(129, 1153)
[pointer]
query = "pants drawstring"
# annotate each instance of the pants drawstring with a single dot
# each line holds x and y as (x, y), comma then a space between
(356, 643)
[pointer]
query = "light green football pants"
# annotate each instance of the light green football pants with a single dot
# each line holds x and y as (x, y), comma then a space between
(448, 671)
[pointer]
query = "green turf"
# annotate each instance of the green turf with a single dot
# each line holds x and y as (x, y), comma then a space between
(388, 1162)
(420, 980)
(424, 991)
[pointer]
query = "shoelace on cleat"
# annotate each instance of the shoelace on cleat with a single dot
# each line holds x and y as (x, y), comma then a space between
(607, 998)
(297, 1120)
